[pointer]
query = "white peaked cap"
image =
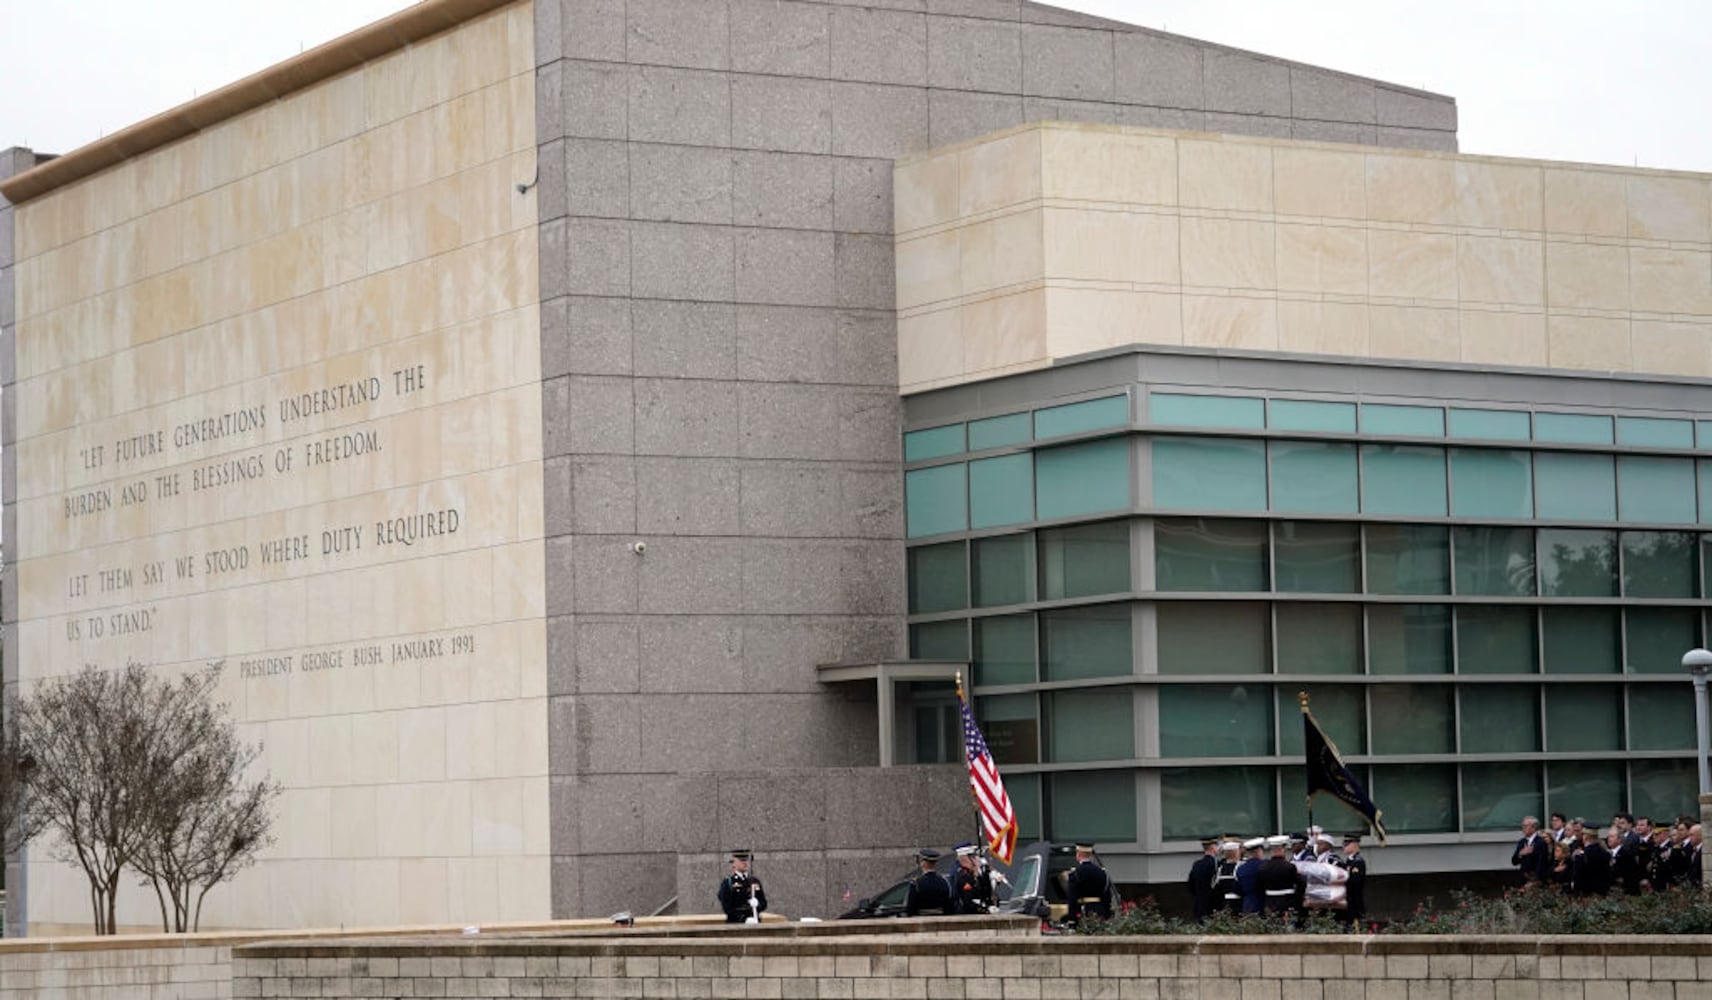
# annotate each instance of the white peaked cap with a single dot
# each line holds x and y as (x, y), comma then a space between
(1254, 842)
(1281, 840)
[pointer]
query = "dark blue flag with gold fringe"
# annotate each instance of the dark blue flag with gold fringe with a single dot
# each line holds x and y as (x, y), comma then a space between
(1327, 773)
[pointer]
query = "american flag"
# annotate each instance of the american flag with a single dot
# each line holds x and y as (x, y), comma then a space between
(998, 819)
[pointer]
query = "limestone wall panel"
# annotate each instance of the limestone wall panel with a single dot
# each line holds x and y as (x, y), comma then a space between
(1251, 244)
(279, 409)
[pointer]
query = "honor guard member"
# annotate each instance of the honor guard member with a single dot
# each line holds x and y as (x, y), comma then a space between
(1227, 892)
(1201, 876)
(1248, 875)
(741, 895)
(1279, 880)
(1306, 846)
(929, 893)
(971, 884)
(1355, 889)
(1090, 888)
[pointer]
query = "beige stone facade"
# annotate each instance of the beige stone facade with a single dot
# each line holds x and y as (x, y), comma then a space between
(1053, 240)
(278, 406)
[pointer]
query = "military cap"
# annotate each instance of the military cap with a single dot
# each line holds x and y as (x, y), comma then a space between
(1352, 838)
(1253, 842)
(1209, 841)
(1084, 847)
(967, 848)
(927, 854)
(742, 854)
(1280, 840)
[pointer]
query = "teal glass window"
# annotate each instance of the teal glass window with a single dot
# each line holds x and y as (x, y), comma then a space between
(1209, 474)
(936, 500)
(1003, 570)
(1496, 639)
(1490, 425)
(1572, 428)
(1340, 709)
(1655, 432)
(1412, 718)
(1216, 637)
(1214, 720)
(1403, 421)
(1087, 478)
(1396, 479)
(1024, 790)
(1500, 718)
(1657, 638)
(1408, 559)
(1092, 805)
(1575, 487)
(1209, 554)
(1488, 482)
(1704, 475)
(1497, 796)
(1653, 489)
(1313, 477)
(938, 578)
(1494, 561)
(1194, 800)
(1664, 789)
(1318, 557)
(1084, 560)
(1319, 638)
(1238, 412)
(1078, 643)
(1583, 717)
(1580, 640)
(1076, 418)
(1090, 724)
(1408, 639)
(998, 432)
(1589, 788)
(1703, 433)
(940, 640)
(933, 442)
(1010, 723)
(1004, 650)
(1001, 491)
(1661, 717)
(1419, 798)
(1577, 562)
(1659, 563)
(1311, 415)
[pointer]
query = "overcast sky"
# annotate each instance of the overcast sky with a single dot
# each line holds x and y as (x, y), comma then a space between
(1577, 80)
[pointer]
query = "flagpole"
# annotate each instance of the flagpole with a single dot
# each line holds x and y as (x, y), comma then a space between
(974, 800)
(1302, 699)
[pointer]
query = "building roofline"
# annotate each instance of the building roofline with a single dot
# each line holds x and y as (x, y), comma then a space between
(408, 26)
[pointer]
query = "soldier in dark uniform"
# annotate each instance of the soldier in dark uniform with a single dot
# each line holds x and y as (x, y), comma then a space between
(1280, 883)
(740, 894)
(1201, 876)
(1355, 889)
(1227, 891)
(971, 884)
(929, 893)
(1247, 875)
(1090, 888)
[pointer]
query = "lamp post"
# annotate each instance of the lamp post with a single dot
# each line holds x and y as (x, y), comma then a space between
(1697, 662)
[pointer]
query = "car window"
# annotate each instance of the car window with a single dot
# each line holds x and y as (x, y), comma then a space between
(1023, 878)
(893, 896)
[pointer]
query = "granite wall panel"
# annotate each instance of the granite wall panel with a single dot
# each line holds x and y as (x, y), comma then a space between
(723, 299)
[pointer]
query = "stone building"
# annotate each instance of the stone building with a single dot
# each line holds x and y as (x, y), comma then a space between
(590, 433)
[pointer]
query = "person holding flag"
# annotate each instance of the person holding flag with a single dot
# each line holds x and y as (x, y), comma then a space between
(998, 822)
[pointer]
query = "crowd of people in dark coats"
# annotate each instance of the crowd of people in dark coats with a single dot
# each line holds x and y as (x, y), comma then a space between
(1634, 854)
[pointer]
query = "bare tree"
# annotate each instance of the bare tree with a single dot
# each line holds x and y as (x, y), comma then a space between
(116, 752)
(207, 821)
(18, 822)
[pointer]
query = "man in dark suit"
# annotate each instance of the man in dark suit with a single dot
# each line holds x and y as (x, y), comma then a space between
(929, 893)
(1590, 873)
(1533, 855)
(1201, 875)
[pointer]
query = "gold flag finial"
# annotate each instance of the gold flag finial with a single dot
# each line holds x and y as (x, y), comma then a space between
(1302, 699)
